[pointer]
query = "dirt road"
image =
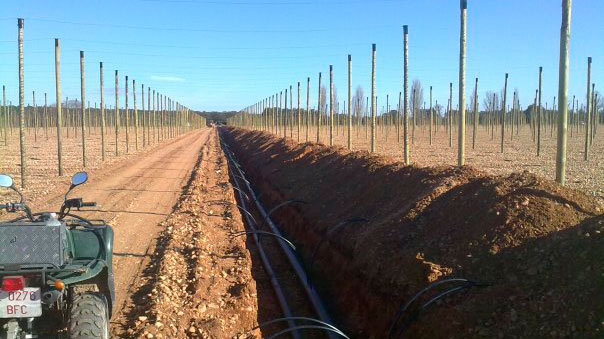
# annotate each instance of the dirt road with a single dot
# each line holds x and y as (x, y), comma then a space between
(134, 196)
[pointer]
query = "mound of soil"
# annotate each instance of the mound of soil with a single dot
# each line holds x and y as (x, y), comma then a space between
(536, 248)
(201, 280)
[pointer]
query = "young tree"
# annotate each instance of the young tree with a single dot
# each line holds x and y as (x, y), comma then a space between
(491, 101)
(323, 102)
(416, 87)
(358, 101)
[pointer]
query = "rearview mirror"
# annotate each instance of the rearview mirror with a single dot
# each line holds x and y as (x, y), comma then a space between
(6, 181)
(79, 178)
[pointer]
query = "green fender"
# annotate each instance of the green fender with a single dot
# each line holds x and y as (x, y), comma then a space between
(86, 245)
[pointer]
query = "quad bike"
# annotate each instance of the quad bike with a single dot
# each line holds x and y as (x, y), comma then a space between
(55, 271)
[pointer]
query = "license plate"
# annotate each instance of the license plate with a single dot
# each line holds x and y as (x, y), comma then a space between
(23, 303)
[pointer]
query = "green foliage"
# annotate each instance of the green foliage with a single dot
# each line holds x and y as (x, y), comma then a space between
(217, 117)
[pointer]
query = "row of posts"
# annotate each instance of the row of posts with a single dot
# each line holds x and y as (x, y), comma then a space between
(162, 118)
(271, 118)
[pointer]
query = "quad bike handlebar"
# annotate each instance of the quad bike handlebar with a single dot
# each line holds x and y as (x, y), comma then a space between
(73, 203)
(77, 203)
(14, 207)
(76, 180)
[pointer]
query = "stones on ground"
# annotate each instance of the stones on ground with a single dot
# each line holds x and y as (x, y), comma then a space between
(195, 264)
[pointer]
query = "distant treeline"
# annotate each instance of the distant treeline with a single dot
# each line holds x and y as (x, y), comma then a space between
(217, 117)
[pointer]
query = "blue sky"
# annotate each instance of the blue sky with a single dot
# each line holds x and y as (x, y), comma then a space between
(223, 55)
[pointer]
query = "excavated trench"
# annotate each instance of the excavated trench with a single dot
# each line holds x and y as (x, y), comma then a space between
(533, 252)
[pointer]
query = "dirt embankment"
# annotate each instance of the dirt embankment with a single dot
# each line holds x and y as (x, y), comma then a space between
(538, 247)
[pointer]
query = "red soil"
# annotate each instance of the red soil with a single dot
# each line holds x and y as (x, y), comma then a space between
(539, 246)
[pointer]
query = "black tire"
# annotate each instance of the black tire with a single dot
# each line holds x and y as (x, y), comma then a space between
(88, 316)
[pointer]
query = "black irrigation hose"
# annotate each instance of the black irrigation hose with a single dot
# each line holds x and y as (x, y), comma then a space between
(297, 318)
(240, 177)
(241, 208)
(301, 327)
(293, 201)
(285, 203)
(326, 236)
(267, 265)
(442, 294)
(465, 284)
(267, 233)
(242, 192)
(296, 266)
(417, 312)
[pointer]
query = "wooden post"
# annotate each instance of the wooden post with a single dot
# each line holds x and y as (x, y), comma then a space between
(552, 117)
(160, 117)
(330, 105)
(88, 117)
(399, 108)
(573, 118)
(34, 117)
(83, 108)
(513, 116)
(373, 101)
(503, 111)
(117, 115)
(475, 108)
(450, 115)
(349, 102)
(533, 114)
(161, 101)
(127, 117)
(135, 115)
(406, 94)
(539, 114)
(22, 107)
(143, 114)
(102, 112)
(154, 117)
(563, 93)
(58, 98)
(307, 106)
(150, 121)
(587, 111)
(284, 115)
(291, 113)
(299, 116)
(5, 113)
(271, 117)
(594, 113)
(319, 111)
(431, 116)
(461, 139)
(67, 116)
